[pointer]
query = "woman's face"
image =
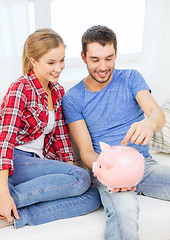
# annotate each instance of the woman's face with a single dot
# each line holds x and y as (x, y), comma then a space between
(49, 66)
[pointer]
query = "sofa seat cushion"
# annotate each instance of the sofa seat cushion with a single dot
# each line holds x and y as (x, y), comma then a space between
(154, 222)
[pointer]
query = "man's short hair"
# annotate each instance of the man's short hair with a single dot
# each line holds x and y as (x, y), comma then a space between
(100, 34)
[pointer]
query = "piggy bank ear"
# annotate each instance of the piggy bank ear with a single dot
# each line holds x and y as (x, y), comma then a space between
(104, 146)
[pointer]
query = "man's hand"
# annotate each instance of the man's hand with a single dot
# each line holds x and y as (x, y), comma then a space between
(140, 132)
(7, 207)
(115, 190)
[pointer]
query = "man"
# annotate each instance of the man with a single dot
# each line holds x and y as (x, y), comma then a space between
(108, 106)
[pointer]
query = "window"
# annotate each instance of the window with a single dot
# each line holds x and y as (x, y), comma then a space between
(13, 22)
(71, 18)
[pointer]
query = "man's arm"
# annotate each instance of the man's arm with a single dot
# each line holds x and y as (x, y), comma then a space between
(141, 132)
(81, 136)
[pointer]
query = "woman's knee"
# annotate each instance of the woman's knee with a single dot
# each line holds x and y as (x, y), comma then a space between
(83, 180)
(93, 198)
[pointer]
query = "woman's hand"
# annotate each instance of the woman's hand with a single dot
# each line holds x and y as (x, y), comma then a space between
(7, 207)
(71, 162)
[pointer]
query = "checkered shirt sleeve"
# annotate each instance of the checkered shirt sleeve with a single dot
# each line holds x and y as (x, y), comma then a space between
(10, 117)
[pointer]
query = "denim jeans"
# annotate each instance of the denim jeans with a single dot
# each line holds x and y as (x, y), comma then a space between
(122, 208)
(47, 190)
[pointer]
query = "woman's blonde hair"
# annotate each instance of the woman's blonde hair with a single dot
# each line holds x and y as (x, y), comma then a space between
(37, 44)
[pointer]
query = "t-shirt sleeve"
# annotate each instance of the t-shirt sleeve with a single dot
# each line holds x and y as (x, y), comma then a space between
(72, 107)
(137, 83)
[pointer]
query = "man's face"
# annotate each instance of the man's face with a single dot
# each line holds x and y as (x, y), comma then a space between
(100, 61)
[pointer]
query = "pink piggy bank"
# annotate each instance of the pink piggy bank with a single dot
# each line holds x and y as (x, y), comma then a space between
(118, 166)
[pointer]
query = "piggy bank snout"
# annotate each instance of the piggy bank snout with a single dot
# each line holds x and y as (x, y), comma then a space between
(96, 167)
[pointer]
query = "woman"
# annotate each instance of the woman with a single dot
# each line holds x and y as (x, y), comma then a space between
(34, 187)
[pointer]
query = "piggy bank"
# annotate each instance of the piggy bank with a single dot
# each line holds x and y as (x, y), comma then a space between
(119, 166)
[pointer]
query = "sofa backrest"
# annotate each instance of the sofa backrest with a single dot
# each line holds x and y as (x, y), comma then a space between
(2, 94)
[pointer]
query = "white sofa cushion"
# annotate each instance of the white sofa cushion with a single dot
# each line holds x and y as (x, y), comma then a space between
(154, 222)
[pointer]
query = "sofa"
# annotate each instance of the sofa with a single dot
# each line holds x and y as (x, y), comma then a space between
(154, 218)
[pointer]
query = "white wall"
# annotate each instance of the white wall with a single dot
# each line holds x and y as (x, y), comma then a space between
(153, 62)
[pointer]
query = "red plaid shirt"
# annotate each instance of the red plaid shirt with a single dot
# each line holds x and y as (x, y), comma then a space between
(24, 115)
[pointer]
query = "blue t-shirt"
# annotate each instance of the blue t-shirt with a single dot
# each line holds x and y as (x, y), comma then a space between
(110, 112)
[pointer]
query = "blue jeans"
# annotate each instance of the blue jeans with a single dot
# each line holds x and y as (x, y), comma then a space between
(122, 209)
(47, 190)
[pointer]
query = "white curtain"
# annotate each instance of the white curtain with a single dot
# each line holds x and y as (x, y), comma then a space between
(156, 48)
(14, 29)
(156, 45)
